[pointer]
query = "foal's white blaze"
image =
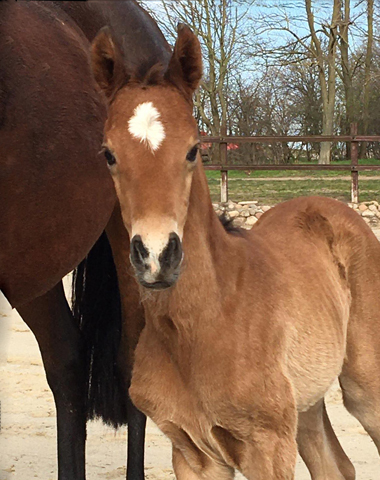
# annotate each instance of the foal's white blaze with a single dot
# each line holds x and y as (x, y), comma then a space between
(155, 236)
(146, 126)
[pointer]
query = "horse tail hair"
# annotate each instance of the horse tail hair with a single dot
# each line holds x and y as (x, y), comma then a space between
(97, 308)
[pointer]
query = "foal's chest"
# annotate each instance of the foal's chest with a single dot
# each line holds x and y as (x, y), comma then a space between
(178, 403)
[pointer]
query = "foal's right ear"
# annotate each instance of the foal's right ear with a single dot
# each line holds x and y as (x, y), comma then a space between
(107, 63)
(185, 66)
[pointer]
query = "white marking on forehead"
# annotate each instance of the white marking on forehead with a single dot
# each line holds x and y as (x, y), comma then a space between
(145, 125)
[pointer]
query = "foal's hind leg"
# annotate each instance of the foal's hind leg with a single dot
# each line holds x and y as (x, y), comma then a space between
(49, 317)
(319, 447)
(360, 377)
(361, 394)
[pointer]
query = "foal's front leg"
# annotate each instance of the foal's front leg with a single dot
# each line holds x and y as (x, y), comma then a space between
(210, 470)
(133, 323)
(269, 456)
(261, 440)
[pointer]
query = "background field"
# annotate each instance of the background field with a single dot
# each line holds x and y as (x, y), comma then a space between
(271, 187)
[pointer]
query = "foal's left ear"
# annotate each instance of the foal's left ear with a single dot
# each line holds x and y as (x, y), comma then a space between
(185, 66)
(107, 63)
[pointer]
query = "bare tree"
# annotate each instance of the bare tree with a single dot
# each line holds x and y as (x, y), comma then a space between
(219, 25)
(319, 46)
(292, 69)
(326, 62)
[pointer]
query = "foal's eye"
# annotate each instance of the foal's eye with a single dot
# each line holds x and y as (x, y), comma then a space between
(111, 160)
(192, 154)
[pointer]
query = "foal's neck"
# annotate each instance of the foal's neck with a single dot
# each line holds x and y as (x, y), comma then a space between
(209, 268)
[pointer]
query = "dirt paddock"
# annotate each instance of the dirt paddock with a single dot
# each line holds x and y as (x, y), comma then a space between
(28, 435)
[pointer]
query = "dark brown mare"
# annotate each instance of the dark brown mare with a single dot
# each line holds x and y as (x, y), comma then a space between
(56, 198)
(245, 331)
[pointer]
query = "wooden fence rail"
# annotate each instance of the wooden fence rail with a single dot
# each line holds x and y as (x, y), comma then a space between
(354, 168)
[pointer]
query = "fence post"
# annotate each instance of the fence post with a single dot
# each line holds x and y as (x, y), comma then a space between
(354, 164)
(223, 161)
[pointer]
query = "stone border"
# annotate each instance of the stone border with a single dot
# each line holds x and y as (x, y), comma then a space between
(246, 214)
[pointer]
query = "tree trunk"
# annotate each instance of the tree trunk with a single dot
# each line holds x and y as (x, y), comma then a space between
(346, 73)
(367, 76)
(252, 154)
(327, 129)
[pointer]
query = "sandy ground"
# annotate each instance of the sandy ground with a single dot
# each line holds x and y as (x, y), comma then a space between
(28, 436)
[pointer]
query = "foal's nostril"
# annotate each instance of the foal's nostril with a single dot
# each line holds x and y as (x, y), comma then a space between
(171, 256)
(138, 252)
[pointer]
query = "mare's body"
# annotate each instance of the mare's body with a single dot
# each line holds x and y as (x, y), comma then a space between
(51, 130)
(247, 331)
(56, 196)
(52, 181)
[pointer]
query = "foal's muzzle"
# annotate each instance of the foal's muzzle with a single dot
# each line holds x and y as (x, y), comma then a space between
(156, 270)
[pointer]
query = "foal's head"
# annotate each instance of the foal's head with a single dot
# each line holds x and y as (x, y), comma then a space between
(151, 146)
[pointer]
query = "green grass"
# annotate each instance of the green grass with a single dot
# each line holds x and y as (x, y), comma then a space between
(301, 173)
(243, 187)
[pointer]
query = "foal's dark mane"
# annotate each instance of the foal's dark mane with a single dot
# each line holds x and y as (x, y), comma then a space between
(229, 227)
(147, 75)
(159, 73)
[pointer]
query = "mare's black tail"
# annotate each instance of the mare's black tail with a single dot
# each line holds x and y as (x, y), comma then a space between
(96, 306)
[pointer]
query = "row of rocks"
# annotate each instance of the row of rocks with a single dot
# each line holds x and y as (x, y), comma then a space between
(246, 214)
(370, 211)
(243, 214)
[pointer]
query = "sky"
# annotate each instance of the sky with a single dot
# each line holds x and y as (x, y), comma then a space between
(294, 9)
(280, 13)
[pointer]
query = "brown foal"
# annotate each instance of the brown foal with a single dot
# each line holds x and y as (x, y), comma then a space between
(245, 331)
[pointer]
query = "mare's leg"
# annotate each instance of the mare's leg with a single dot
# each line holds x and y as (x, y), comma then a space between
(209, 470)
(49, 317)
(133, 323)
(319, 447)
(136, 441)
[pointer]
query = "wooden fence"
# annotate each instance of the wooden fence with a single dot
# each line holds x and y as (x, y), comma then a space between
(354, 139)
